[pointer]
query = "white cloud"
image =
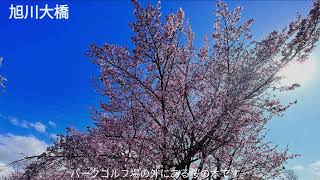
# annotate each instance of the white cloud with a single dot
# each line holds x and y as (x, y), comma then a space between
(315, 167)
(52, 124)
(53, 136)
(38, 126)
(298, 168)
(14, 121)
(14, 147)
(24, 124)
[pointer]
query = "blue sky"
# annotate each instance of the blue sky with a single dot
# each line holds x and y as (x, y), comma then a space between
(50, 87)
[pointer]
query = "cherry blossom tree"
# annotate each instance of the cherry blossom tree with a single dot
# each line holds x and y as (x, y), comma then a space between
(290, 175)
(169, 105)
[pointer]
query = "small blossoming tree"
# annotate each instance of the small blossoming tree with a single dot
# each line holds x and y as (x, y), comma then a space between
(169, 105)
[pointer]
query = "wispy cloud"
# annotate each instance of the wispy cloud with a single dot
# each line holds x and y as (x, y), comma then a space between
(14, 121)
(38, 126)
(21, 123)
(315, 167)
(52, 124)
(298, 168)
(53, 136)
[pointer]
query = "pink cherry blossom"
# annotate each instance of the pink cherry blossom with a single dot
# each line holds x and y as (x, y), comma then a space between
(170, 105)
